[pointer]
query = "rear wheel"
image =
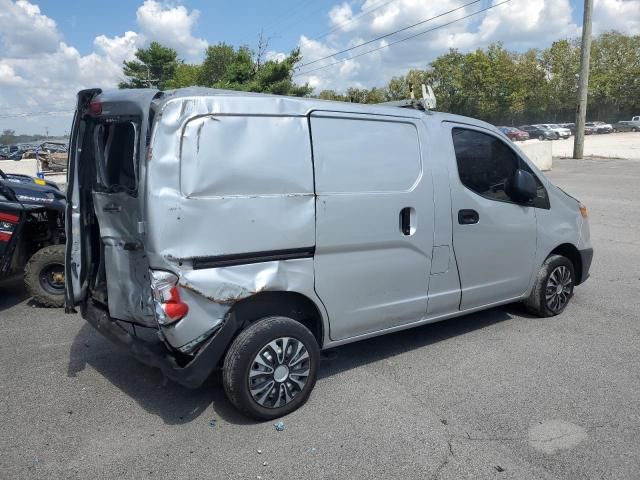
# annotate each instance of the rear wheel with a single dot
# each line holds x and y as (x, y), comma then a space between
(540, 137)
(271, 368)
(553, 288)
(44, 276)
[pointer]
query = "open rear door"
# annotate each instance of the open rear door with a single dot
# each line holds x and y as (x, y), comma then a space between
(75, 258)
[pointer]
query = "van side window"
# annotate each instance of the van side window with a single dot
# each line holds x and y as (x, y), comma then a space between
(485, 163)
(359, 155)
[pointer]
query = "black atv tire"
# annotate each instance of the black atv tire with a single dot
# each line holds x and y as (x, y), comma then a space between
(37, 276)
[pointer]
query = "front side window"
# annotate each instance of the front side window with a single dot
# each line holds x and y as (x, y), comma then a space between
(486, 164)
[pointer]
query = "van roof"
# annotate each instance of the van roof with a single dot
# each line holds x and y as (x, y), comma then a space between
(262, 103)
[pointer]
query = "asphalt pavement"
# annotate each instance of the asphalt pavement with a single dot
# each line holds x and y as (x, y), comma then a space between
(493, 395)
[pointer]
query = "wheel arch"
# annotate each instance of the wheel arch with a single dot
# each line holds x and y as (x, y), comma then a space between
(570, 251)
(294, 305)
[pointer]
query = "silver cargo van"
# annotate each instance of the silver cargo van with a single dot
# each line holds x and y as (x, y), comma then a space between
(249, 232)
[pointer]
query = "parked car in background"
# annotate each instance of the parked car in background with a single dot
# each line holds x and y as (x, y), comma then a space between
(561, 131)
(536, 131)
(636, 118)
(572, 128)
(514, 133)
(626, 126)
(600, 127)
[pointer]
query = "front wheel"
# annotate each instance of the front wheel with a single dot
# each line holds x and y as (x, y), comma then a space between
(553, 288)
(271, 368)
(44, 276)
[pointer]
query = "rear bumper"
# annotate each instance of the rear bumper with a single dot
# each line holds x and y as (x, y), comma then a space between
(586, 256)
(155, 354)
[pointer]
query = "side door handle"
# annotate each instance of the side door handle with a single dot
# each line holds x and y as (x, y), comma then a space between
(468, 217)
(405, 221)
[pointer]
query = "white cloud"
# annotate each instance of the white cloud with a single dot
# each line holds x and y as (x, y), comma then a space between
(276, 56)
(8, 76)
(341, 17)
(620, 15)
(39, 72)
(24, 31)
(119, 48)
(519, 24)
(172, 27)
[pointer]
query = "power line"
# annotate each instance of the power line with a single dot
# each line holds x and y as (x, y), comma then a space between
(295, 19)
(286, 12)
(389, 34)
(35, 114)
(364, 13)
(401, 40)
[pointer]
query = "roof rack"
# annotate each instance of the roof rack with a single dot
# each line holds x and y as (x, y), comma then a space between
(425, 104)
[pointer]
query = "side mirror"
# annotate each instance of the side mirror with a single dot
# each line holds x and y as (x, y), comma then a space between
(522, 187)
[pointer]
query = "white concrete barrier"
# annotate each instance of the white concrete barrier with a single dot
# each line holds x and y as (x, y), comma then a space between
(539, 152)
(27, 166)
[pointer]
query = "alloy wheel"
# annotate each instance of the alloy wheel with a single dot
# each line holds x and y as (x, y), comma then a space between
(559, 288)
(279, 372)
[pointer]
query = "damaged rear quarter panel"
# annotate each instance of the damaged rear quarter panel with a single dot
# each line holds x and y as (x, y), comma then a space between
(211, 293)
(223, 180)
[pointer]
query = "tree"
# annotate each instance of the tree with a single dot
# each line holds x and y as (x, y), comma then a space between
(241, 69)
(8, 137)
(217, 61)
(187, 75)
(155, 67)
(561, 64)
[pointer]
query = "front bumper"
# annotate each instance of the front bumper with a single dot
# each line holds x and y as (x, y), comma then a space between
(190, 373)
(586, 256)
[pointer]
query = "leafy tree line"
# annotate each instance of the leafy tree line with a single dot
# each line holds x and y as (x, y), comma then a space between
(494, 84)
(224, 66)
(9, 137)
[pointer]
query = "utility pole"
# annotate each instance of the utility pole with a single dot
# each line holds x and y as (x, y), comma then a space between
(583, 81)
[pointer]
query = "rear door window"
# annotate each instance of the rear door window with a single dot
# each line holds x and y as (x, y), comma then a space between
(116, 155)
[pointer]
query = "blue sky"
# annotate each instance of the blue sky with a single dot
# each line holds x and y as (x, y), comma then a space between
(238, 22)
(53, 48)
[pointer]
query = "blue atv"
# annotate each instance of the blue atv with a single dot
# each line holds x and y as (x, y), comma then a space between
(32, 235)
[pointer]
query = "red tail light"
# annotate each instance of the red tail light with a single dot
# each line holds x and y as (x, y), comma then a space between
(95, 108)
(169, 306)
(174, 308)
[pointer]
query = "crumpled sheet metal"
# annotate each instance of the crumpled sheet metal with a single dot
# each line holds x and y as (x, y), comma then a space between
(232, 209)
(210, 293)
(228, 285)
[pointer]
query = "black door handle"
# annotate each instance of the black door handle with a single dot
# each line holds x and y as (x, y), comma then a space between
(405, 221)
(468, 217)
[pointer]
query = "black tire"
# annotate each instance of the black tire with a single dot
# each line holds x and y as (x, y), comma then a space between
(538, 302)
(42, 276)
(540, 137)
(243, 352)
(634, 129)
